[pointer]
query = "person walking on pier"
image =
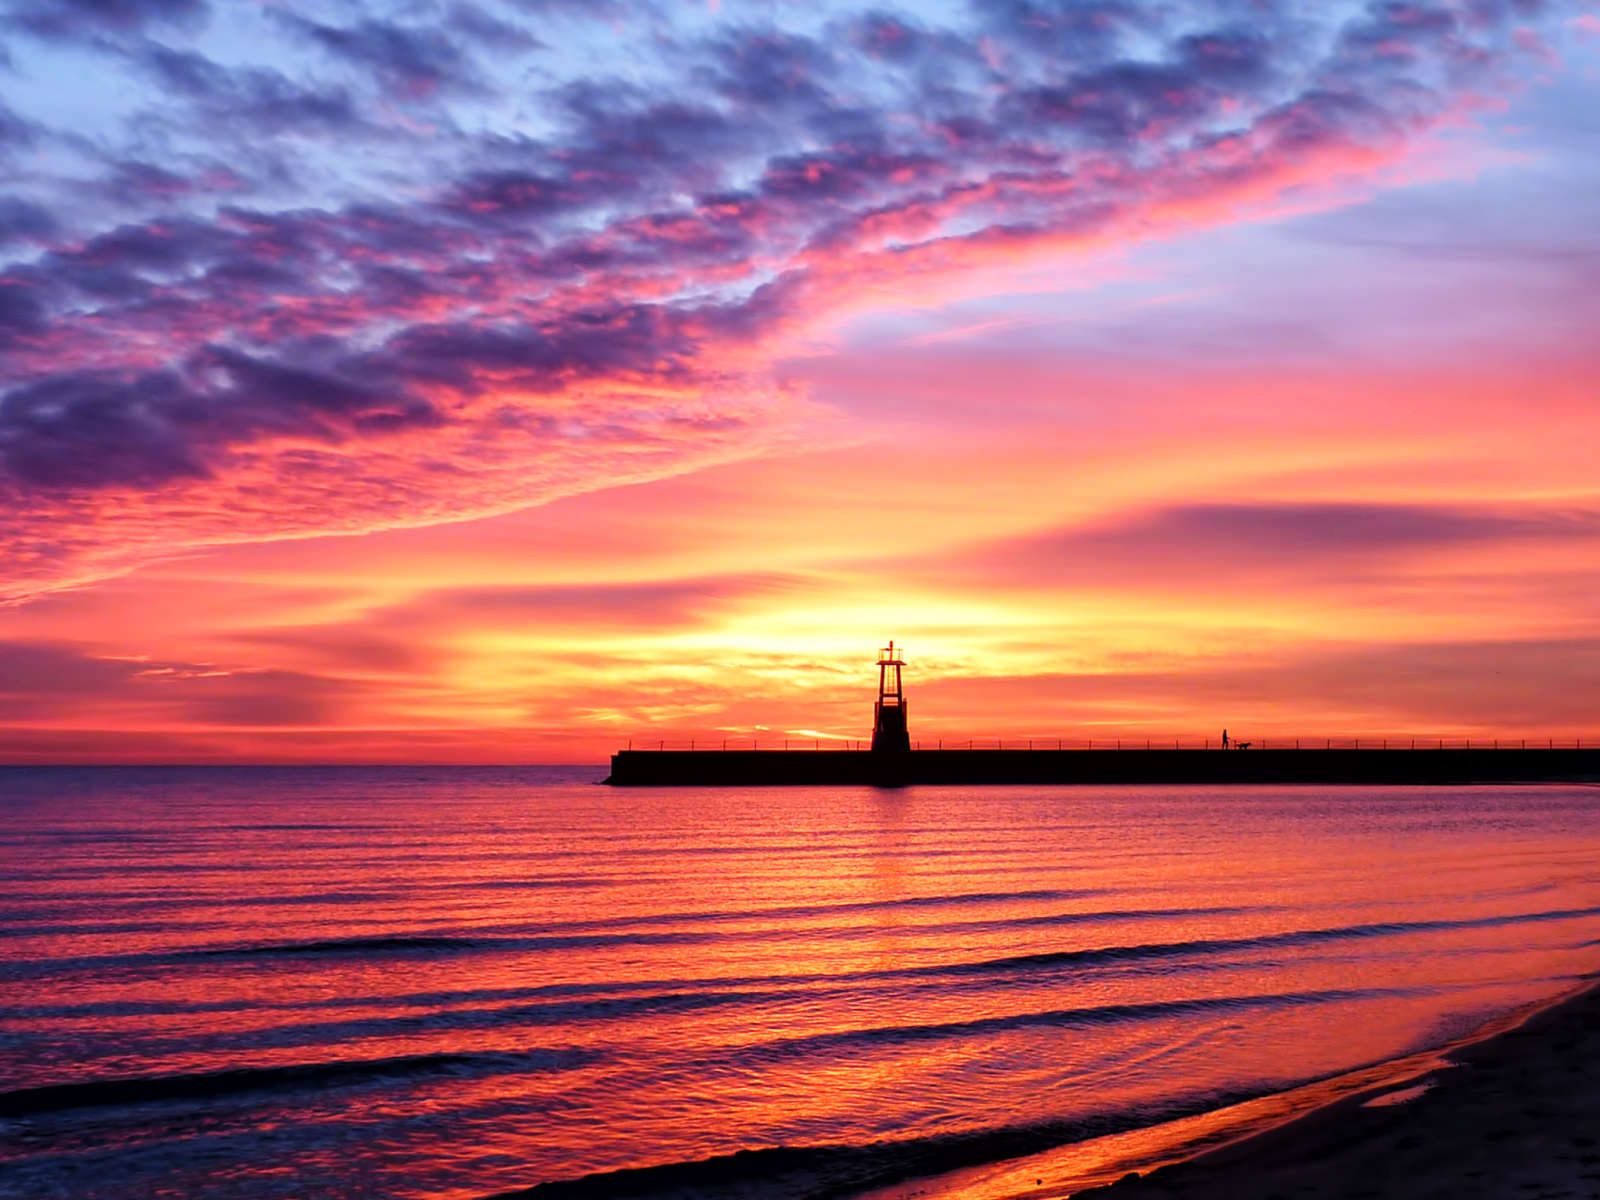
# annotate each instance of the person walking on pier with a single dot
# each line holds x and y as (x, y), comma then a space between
(1224, 739)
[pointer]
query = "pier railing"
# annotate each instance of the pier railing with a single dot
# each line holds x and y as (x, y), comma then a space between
(823, 745)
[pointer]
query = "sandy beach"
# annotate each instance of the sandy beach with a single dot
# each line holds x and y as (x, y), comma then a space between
(1512, 1111)
(1514, 1115)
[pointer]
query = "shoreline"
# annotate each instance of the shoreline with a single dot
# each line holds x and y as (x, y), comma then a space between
(1323, 1139)
(1503, 1110)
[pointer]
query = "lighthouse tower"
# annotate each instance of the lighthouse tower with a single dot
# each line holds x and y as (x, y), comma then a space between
(889, 714)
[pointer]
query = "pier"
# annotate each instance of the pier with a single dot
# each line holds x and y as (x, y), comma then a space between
(895, 760)
(777, 768)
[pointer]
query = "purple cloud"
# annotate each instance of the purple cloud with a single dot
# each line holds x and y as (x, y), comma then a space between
(227, 335)
(70, 19)
(1221, 544)
(1413, 688)
(409, 62)
(41, 682)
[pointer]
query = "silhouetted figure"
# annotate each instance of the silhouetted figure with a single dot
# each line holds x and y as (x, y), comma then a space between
(889, 730)
(1242, 745)
(1224, 739)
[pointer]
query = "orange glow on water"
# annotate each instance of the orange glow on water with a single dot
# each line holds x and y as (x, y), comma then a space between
(555, 981)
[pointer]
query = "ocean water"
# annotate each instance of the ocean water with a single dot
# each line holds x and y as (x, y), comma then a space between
(453, 983)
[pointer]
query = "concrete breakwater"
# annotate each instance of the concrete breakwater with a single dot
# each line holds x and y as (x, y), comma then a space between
(758, 768)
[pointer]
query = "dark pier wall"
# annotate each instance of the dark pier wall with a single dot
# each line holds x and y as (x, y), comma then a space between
(714, 768)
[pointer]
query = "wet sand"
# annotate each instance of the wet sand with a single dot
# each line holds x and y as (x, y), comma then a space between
(1517, 1115)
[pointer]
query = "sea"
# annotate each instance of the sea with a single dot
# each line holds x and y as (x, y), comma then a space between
(458, 983)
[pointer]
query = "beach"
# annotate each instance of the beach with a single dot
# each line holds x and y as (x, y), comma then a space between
(1515, 1114)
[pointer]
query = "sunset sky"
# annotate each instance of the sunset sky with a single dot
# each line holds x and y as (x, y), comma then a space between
(496, 382)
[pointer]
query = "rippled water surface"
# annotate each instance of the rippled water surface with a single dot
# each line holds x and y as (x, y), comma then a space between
(453, 983)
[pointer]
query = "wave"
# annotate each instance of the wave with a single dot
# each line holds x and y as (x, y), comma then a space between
(883, 1037)
(100, 1093)
(832, 1172)
(554, 1014)
(951, 900)
(444, 943)
(366, 945)
(559, 1005)
(575, 940)
(1267, 941)
(523, 1016)
(1017, 965)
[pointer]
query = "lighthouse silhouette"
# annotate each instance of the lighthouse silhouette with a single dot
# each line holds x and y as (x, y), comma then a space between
(889, 731)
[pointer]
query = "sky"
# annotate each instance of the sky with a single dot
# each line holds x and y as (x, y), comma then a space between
(427, 381)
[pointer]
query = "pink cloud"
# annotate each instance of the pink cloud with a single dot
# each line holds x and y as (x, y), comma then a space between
(606, 308)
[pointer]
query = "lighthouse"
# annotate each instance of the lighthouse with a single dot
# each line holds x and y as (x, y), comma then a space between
(889, 714)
